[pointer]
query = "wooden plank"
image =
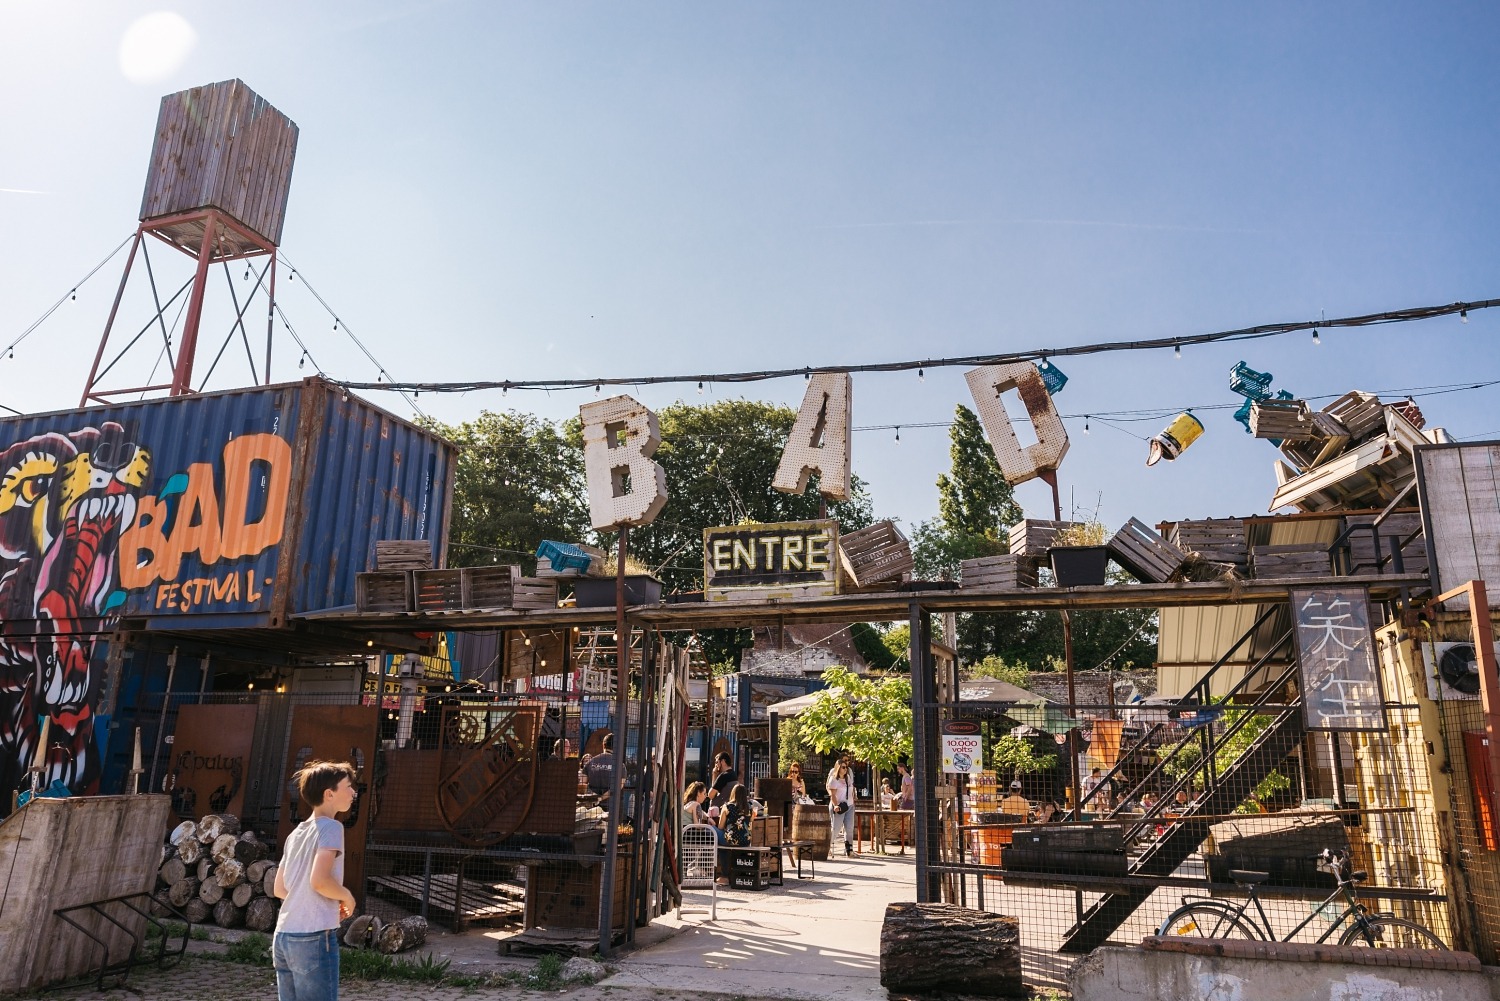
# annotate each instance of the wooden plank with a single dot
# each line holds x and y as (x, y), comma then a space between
(1033, 537)
(1144, 553)
(1285, 419)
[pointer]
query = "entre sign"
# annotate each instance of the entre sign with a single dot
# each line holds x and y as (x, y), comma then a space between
(785, 559)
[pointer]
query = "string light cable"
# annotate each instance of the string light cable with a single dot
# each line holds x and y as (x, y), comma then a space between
(9, 350)
(1176, 343)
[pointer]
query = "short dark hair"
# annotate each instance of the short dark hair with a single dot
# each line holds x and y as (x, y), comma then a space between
(724, 757)
(317, 778)
(609, 742)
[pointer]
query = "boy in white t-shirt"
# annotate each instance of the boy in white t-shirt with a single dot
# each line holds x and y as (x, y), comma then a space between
(310, 883)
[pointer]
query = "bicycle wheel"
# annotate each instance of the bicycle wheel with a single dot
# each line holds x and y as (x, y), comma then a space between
(1203, 919)
(1392, 933)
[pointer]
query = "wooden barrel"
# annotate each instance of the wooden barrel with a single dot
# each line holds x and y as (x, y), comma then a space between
(810, 823)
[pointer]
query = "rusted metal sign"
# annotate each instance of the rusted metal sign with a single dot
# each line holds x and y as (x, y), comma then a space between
(782, 559)
(334, 733)
(1336, 652)
(210, 755)
(487, 771)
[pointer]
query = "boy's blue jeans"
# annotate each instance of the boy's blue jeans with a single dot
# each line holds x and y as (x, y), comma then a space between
(307, 965)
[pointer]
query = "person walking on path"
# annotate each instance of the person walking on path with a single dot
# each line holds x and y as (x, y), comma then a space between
(841, 804)
(310, 883)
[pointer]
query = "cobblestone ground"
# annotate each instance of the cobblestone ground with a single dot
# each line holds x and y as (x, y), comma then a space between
(197, 979)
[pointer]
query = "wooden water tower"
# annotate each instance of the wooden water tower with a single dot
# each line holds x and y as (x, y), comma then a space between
(216, 191)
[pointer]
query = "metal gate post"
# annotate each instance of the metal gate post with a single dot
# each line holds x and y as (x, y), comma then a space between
(924, 753)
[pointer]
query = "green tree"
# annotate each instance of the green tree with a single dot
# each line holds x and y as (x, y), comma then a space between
(519, 480)
(974, 497)
(1015, 756)
(869, 719)
(1189, 759)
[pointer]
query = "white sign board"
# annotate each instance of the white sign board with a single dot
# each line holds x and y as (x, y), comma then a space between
(963, 754)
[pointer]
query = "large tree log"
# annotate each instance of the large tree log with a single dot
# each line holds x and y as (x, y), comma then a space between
(260, 914)
(210, 892)
(927, 948)
(398, 936)
(197, 911)
(268, 881)
(226, 915)
(205, 868)
(216, 825)
(172, 871)
(256, 871)
(182, 891)
(229, 874)
(249, 849)
(242, 895)
(223, 850)
(190, 851)
(185, 831)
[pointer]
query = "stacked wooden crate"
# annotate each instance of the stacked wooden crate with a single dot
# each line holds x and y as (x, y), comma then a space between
(383, 591)
(1303, 559)
(1362, 546)
(1145, 554)
(1007, 572)
(875, 555)
(1221, 540)
(1286, 420)
(504, 587)
(403, 554)
(1032, 537)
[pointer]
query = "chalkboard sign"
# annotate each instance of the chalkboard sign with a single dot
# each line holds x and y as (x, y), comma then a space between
(1336, 651)
(784, 559)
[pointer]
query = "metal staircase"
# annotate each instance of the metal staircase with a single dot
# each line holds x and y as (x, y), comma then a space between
(1224, 787)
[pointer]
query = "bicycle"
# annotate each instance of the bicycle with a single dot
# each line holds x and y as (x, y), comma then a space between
(1207, 918)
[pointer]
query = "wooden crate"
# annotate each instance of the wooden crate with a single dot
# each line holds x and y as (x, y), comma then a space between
(1361, 413)
(998, 571)
(383, 591)
(876, 554)
(437, 590)
(1144, 553)
(566, 894)
(1032, 537)
(1304, 559)
(403, 554)
(1284, 419)
(1219, 539)
(504, 587)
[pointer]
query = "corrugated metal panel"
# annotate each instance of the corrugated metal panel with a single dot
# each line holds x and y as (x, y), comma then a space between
(1191, 640)
(371, 476)
(1294, 530)
(217, 510)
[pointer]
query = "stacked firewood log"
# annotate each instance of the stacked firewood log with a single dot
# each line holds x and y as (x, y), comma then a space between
(211, 871)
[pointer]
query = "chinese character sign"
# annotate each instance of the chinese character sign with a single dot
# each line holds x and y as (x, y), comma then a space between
(1340, 679)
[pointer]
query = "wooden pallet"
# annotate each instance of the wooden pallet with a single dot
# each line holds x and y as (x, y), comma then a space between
(553, 941)
(383, 591)
(1145, 554)
(403, 554)
(1362, 552)
(875, 554)
(437, 590)
(504, 587)
(1304, 559)
(1031, 537)
(1219, 539)
(1284, 419)
(483, 903)
(998, 571)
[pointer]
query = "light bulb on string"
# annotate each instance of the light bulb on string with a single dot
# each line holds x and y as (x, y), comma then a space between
(898, 434)
(1316, 338)
(1463, 315)
(807, 375)
(1177, 351)
(1085, 423)
(75, 295)
(700, 389)
(921, 375)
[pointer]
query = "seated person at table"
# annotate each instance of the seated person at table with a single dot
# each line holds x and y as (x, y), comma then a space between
(887, 795)
(1147, 802)
(723, 779)
(734, 818)
(1048, 812)
(799, 784)
(1015, 803)
(600, 770)
(693, 811)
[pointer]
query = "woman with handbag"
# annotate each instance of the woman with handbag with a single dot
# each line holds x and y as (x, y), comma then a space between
(841, 805)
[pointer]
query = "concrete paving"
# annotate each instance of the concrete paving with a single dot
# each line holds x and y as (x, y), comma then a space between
(811, 939)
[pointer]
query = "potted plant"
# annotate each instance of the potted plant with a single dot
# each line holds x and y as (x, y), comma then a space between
(641, 588)
(1079, 555)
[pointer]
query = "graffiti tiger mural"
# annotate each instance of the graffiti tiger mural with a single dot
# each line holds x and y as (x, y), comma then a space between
(65, 499)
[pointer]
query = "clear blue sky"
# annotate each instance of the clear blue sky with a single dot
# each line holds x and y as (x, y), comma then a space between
(489, 190)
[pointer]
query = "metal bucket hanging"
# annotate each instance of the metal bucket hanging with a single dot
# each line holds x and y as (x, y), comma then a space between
(1182, 432)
